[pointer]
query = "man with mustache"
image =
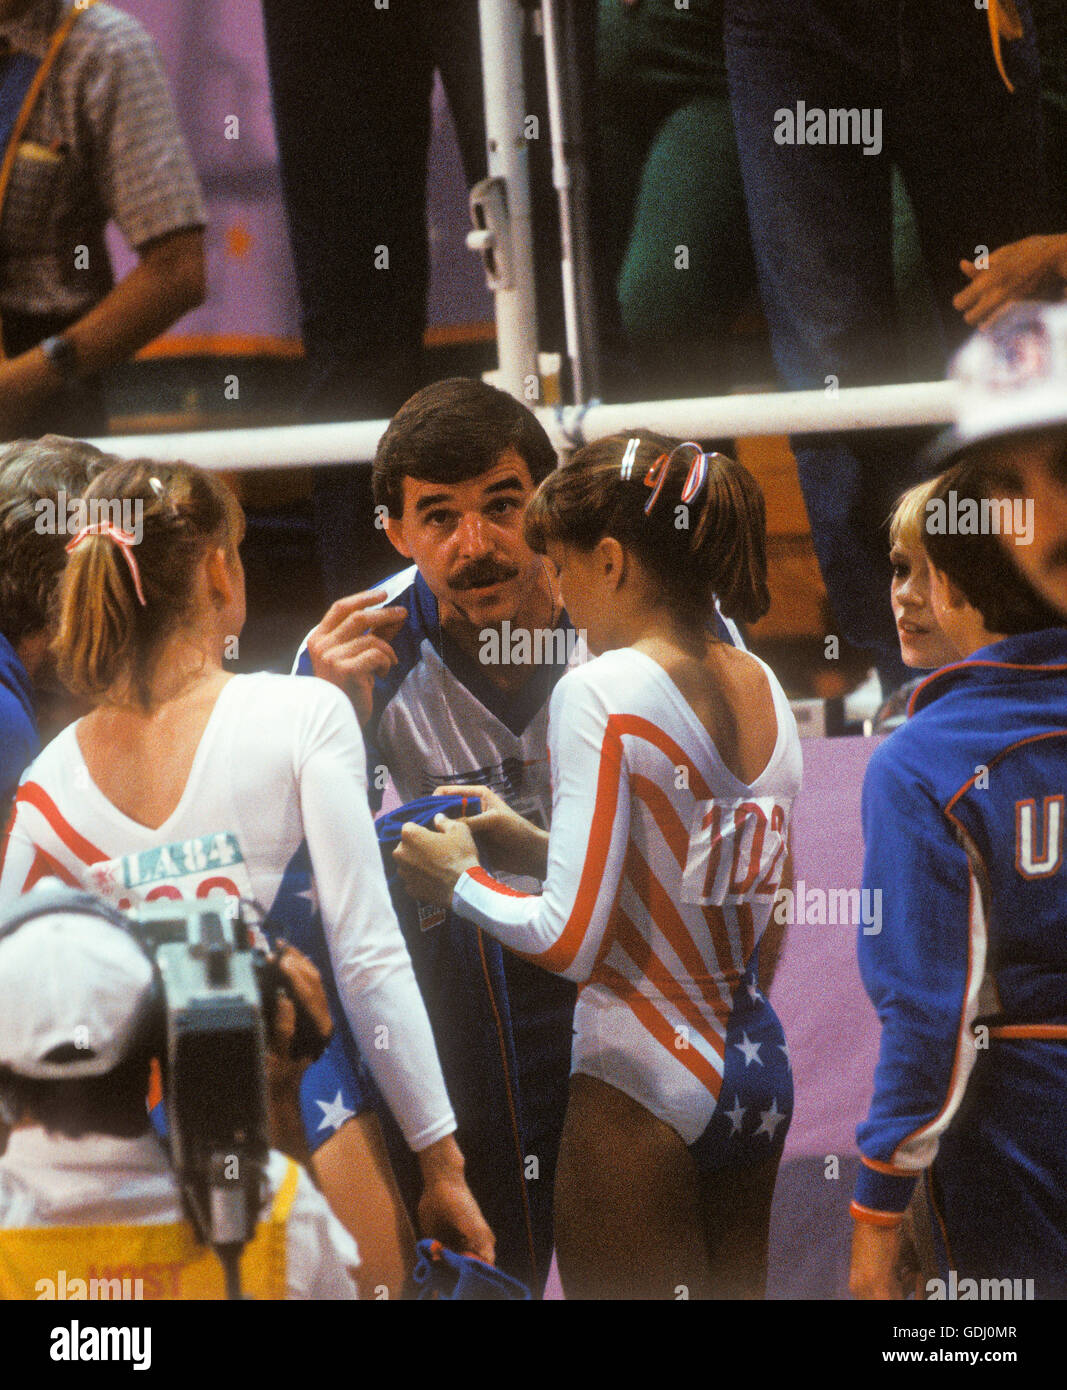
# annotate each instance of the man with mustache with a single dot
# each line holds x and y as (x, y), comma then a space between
(452, 477)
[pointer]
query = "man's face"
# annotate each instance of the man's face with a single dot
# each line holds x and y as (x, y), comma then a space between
(466, 539)
(1036, 468)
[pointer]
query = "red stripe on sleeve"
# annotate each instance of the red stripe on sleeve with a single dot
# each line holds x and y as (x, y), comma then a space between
(44, 866)
(479, 875)
(869, 1217)
(36, 796)
(560, 955)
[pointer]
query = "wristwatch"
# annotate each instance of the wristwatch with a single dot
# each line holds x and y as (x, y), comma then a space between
(62, 354)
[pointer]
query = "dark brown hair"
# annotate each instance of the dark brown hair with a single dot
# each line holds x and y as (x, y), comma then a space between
(450, 432)
(33, 473)
(112, 1104)
(715, 546)
(106, 638)
(978, 564)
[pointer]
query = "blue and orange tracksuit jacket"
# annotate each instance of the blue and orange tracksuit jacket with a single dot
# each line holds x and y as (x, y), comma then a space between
(963, 820)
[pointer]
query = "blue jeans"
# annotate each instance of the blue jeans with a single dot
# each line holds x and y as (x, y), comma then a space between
(970, 155)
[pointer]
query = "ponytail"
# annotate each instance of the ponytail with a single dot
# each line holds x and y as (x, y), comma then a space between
(730, 541)
(130, 578)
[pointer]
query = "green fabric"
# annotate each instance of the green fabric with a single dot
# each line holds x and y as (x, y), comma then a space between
(671, 204)
(688, 259)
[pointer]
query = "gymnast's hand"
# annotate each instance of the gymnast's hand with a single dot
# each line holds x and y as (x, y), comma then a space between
(510, 843)
(350, 647)
(430, 862)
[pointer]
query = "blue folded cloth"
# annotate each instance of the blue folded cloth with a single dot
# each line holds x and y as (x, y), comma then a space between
(441, 1273)
(422, 811)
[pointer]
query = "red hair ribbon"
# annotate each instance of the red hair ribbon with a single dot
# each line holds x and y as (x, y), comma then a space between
(655, 478)
(694, 479)
(697, 475)
(125, 542)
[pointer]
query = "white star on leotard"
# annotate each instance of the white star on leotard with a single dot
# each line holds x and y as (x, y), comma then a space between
(750, 1049)
(310, 896)
(735, 1116)
(334, 1113)
(770, 1120)
(754, 991)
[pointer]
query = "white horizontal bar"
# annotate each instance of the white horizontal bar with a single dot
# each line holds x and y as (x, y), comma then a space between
(771, 412)
(776, 412)
(279, 446)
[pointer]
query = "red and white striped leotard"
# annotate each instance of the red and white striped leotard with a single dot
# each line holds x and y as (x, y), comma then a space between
(662, 871)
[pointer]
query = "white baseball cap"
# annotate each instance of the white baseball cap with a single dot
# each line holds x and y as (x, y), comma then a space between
(1012, 379)
(74, 992)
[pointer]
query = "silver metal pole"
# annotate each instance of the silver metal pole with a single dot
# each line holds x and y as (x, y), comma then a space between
(500, 206)
(571, 184)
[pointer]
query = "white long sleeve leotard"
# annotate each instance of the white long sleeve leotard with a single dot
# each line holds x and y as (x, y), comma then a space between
(279, 777)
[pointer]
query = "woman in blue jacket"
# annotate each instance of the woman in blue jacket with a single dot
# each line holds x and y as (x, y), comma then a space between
(963, 819)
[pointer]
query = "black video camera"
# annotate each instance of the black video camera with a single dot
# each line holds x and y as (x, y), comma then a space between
(219, 1002)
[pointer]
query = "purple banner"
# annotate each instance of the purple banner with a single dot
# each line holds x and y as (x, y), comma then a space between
(830, 1025)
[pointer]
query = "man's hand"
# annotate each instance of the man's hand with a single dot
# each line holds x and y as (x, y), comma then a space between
(509, 841)
(350, 647)
(875, 1262)
(430, 861)
(447, 1209)
(1034, 268)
